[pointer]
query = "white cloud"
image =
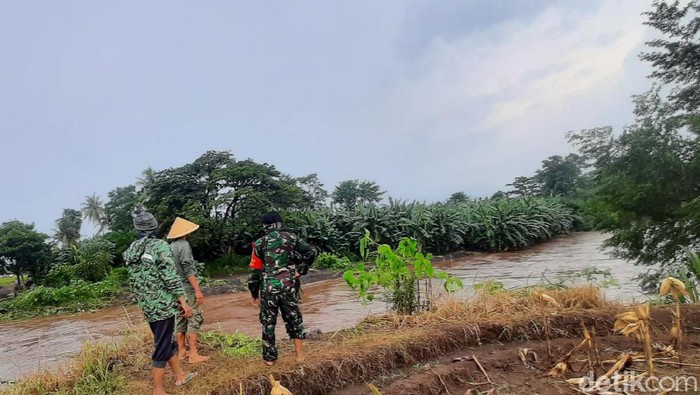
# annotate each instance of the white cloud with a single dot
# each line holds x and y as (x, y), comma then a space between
(506, 71)
(477, 110)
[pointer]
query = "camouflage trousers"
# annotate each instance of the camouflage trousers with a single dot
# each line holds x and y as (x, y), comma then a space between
(270, 305)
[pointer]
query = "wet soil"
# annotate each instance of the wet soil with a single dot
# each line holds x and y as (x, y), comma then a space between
(505, 373)
(499, 368)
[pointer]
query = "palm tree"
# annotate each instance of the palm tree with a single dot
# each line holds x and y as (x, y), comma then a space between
(147, 178)
(94, 211)
(68, 227)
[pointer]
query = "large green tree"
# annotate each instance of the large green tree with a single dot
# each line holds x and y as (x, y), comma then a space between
(675, 56)
(559, 176)
(118, 208)
(458, 197)
(23, 250)
(524, 187)
(225, 196)
(648, 176)
(313, 190)
(350, 193)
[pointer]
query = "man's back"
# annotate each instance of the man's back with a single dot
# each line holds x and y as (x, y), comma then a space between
(282, 255)
(153, 279)
(184, 262)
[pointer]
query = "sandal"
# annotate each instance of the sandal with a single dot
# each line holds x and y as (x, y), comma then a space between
(187, 379)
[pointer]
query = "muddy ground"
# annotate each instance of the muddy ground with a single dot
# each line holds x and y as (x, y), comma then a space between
(498, 367)
(458, 372)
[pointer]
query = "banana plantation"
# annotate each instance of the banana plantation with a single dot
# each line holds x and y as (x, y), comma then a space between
(488, 225)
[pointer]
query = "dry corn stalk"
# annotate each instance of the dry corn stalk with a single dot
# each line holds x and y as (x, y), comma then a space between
(563, 365)
(559, 369)
(593, 361)
(675, 288)
(526, 355)
(622, 363)
(546, 300)
(594, 348)
(636, 323)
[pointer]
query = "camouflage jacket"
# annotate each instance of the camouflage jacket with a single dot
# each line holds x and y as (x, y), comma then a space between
(184, 263)
(153, 278)
(276, 258)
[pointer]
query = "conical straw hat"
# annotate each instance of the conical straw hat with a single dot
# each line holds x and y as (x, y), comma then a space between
(181, 227)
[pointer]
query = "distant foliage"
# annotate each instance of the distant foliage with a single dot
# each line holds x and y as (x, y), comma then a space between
(487, 225)
(331, 262)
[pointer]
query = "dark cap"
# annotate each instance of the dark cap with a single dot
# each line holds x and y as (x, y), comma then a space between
(271, 218)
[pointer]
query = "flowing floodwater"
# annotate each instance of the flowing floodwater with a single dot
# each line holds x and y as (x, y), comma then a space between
(47, 343)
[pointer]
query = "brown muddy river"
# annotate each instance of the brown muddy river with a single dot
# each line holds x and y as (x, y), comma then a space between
(46, 343)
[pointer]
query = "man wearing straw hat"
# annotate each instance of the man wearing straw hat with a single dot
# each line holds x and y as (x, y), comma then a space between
(187, 328)
(154, 283)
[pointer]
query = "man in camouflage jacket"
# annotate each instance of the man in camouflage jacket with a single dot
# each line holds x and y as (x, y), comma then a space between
(277, 261)
(157, 290)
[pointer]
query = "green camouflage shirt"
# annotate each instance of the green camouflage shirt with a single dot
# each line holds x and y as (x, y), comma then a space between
(283, 254)
(153, 278)
(184, 263)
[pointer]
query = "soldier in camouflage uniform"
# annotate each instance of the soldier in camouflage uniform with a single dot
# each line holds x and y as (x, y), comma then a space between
(157, 290)
(277, 261)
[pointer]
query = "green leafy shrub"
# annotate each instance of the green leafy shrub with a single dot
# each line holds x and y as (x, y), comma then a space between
(59, 276)
(403, 274)
(332, 262)
(94, 259)
(119, 275)
(77, 296)
(490, 287)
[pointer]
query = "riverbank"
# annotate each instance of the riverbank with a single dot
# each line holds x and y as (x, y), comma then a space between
(399, 354)
(118, 295)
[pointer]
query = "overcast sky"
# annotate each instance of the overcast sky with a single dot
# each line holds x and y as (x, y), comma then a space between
(424, 97)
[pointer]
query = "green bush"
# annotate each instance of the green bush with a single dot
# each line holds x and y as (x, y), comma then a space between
(59, 276)
(332, 262)
(77, 291)
(119, 275)
(94, 259)
(76, 296)
(403, 275)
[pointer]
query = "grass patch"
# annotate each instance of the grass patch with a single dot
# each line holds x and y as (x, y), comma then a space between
(75, 297)
(95, 371)
(232, 345)
(8, 281)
